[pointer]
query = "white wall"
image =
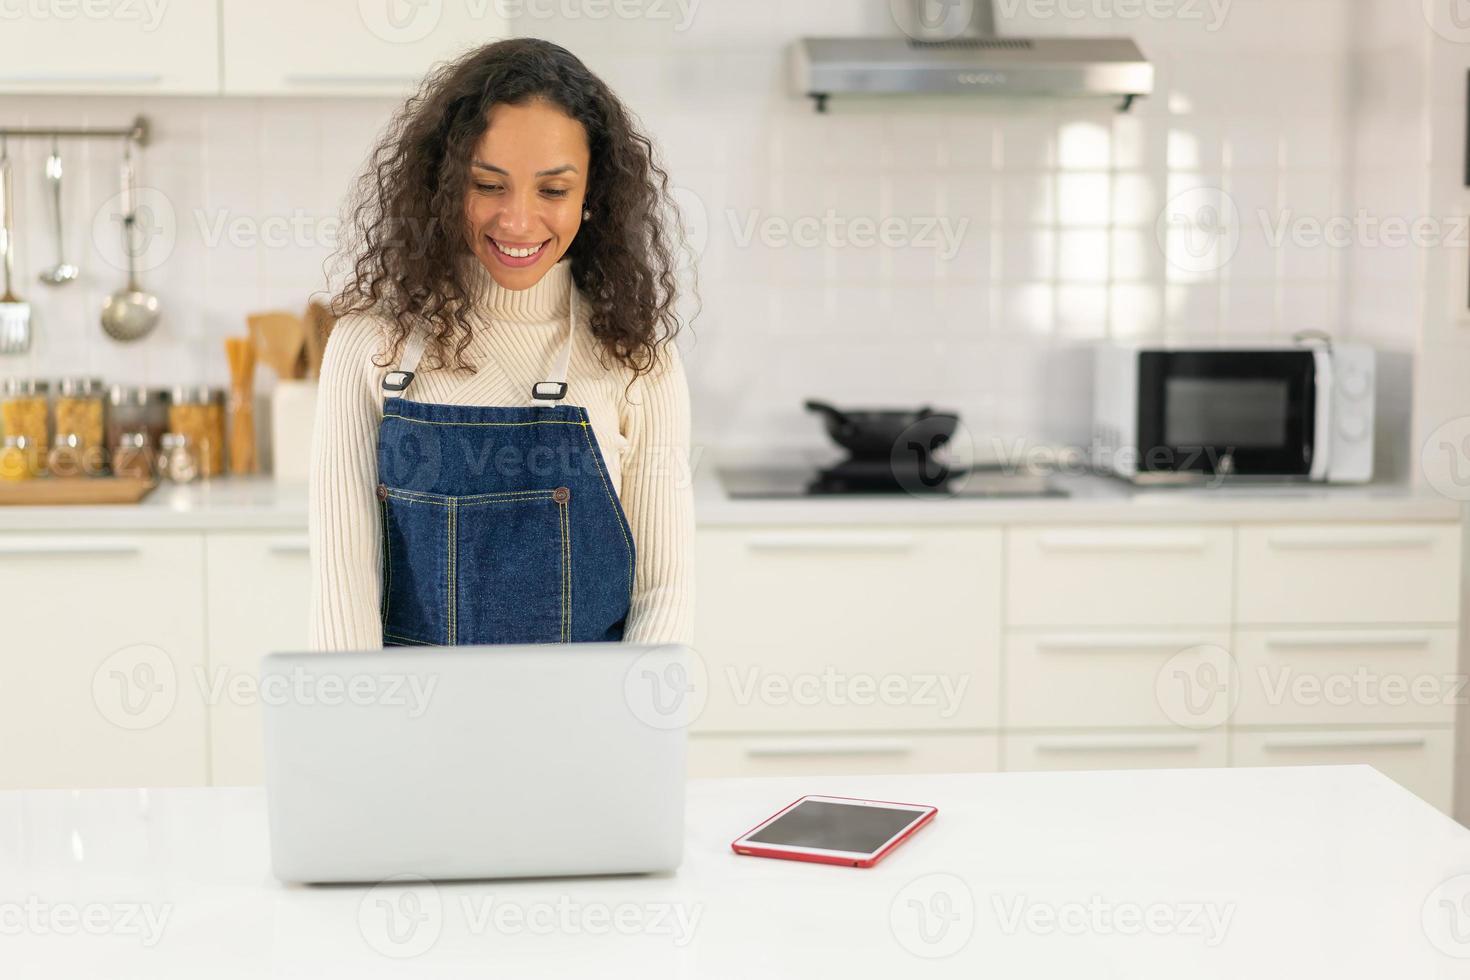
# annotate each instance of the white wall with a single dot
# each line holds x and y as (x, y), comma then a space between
(1059, 201)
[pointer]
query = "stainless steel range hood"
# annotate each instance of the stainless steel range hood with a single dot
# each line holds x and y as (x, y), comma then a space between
(938, 56)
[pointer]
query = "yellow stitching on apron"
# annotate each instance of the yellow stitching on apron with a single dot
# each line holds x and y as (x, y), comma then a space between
(566, 574)
(387, 568)
(450, 585)
(444, 499)
(433, 422)
(406, 639)
(627, 545)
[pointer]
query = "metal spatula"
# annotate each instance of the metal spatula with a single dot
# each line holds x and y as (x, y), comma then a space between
(15, 314)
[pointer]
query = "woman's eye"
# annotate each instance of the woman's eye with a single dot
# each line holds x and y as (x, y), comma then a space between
(487, 188)
(555, 192)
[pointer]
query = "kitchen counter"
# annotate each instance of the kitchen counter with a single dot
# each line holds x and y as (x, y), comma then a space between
(1320, 872)
(234, 503)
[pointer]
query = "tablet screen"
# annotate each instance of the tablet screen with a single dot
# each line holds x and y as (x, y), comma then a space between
(835, 826)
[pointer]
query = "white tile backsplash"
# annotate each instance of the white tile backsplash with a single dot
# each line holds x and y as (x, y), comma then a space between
(1059, 205)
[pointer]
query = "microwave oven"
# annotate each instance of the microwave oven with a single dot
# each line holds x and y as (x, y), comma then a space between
(1176, 413)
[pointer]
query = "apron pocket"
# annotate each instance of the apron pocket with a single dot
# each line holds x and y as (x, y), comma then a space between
(511, 560)
(415, 567)
(484, 568)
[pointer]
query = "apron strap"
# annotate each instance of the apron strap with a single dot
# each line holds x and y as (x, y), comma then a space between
(555, 388)
(394, 382)
(397, 381)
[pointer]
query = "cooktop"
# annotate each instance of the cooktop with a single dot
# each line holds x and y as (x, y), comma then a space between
(880, 479)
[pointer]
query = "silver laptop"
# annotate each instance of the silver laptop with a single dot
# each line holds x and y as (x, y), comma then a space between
(474, 762)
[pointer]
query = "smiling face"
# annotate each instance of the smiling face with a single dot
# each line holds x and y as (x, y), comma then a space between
(528, 178)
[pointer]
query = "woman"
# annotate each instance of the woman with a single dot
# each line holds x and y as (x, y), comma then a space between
(502, 436)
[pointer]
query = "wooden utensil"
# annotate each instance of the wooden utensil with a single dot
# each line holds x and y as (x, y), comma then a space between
(280, 341)
(319, 323)
(241, 354)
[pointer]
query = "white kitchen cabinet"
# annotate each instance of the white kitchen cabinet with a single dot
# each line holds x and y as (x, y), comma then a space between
(104, 648)
(1399, 676)
(1101, 679)
(1420, 760)
(841, 754)
(259, 591)
(1349, 573)
(849, 628)
(1152, 576)
(1174, 749)
(346, 47)
(117, 49)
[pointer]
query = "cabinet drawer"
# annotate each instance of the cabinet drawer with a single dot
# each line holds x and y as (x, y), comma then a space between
(104, 650)
(1171, 575)
(847, 628)
(249, 572)
(1344, 677)
(1349, 573)
(840, 755)
(1420, 760)
(1114, 750)
(1117, 679)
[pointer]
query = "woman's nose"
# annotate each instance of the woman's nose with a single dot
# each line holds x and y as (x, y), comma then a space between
(515, 217)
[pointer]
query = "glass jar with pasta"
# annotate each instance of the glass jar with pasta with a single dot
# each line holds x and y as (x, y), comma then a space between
(81, 411)
(23, 412)
(197, 411)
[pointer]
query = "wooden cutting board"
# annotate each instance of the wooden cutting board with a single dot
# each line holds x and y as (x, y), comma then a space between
(47, 492)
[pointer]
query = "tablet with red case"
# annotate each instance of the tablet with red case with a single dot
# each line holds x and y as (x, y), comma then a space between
(834, 830)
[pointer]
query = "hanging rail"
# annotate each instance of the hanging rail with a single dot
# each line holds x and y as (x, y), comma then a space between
(137, 132)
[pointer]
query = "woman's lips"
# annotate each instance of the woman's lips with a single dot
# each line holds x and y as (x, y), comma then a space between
(498, 249)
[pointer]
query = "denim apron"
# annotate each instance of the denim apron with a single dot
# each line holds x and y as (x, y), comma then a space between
(499, 524)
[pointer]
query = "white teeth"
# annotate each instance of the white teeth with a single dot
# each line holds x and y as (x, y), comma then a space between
(518, 253)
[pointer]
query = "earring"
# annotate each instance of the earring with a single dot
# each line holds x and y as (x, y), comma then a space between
(586, 214)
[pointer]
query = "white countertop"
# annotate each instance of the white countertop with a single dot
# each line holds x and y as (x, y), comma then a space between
(226, 503)
(1229, 873)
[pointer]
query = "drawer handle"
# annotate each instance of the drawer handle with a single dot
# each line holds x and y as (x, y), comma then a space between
(835, 541)
(1283, 743)
(82, 546)
(312, 78)
(1347, 639)
(1082, 643)
(25, 78)
(784, 750)
(298, 545)
(1117, 743)
(1096, 542)
(1320, 540)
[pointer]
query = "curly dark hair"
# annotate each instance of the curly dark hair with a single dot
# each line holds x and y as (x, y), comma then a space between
(404, 245)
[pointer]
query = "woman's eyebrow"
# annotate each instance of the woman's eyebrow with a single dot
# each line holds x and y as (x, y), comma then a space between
(564, 168)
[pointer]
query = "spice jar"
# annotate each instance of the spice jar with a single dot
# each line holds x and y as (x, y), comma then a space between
(178, 461)
(80, 408)
(16, 459)
(23, 411)
(133, 409)
(133, 457)
(198, 412)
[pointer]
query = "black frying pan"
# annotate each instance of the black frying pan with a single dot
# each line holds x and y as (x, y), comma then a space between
(873, 433)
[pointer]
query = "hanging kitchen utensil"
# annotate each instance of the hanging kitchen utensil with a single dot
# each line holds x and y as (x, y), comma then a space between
(129, 313)
(63, 271)
(15, 314)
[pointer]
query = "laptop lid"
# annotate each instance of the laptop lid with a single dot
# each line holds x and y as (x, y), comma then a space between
(473, 762)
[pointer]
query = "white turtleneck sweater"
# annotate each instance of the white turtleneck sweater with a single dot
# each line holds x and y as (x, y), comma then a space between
(643, 435)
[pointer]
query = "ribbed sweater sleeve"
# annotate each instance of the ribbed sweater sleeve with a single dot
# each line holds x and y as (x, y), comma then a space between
(658, 497)
(343, 505)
